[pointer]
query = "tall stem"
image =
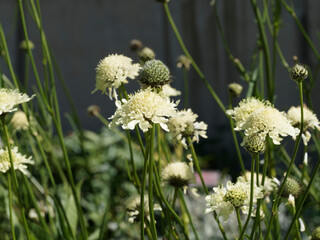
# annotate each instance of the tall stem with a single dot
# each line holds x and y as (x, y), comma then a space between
(10, 208)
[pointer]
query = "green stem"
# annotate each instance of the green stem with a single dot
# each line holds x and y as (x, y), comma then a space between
(251, 198)
(10, 208)
(239, 220)
(195, 66)
(150, 183)
(295, 150)
(185, 88)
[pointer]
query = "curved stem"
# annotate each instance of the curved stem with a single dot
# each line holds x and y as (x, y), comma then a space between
(195, 66)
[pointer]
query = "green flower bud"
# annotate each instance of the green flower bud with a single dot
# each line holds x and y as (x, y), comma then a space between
(316, 234)
(24, 45)
(235, 89)
(135, 44)
(93, 110)
(155, 74)
(254, 144)
(298, 72)
(146, 54)
(293, 187)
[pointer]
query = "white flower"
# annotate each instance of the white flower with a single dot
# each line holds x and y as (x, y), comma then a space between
(224, 200)
(177, 174)
(11, 97)
(269, 121)
(18, 159)
(19, 121)
(269, 184)
(291, 200)
(170, 91)
(244, 110)
(143, 108)
(183, 124)
(114, 70)
(310, 120)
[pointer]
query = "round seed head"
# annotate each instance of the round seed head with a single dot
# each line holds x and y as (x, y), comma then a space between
(254, 144)
(293, 187)
(298, 72)
(154, 73)
(236, 196)
(316, 234)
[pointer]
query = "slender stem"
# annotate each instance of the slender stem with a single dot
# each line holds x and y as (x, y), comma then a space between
(10, 208)
(150, 183)
(185, 88)
(295, 150)
(251, 198)
(135, 175)
(239, 220)
(195, 66)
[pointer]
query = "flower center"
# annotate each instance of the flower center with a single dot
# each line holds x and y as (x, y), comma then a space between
(236, 197)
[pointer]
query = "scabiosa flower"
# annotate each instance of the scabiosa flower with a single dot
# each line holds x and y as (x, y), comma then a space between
(170, 91)
(146, 54)
(18, 159)
(292, 187)
(183, 124)
(269, 184)
(298, 72)
(19, 121)
(143, 108)
(235, 89)
(177, 174)
(11, 97)
(114, 70)
(316, 234)
(254, 143)
(247, 106)
(269, 121)
(310, 120)
(224, 200)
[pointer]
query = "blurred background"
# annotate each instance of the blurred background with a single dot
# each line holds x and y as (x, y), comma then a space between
(82, 32)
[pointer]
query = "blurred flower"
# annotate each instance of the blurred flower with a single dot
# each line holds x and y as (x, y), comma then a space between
(24, 45)
(43, 208)
(18, 159)
(19, 121)
(183, 62)
(146, 54)
(247, 106)
(93, 110)
(269, 121)
(170, 91)
(298, 72)
(183, 124)
(310, 120)
(291, 201)
(316, 234)
(143, 108)
(292, 187)
(135, 44)
(225, 200)
(11, 97)
(269, 184)
(114, 70)
(177, 174)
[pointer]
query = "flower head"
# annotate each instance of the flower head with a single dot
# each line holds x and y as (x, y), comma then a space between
(114, 70)
(146, 54)
(183, 62)
(19, 121)
(292, 187)
(254, 143)
(269, 184)
(9, 98)
(316, 234)
(154, 74)
(183, 125)
(298, 72)
(310, 120)
(170, 91)
(143, 108)
(269, 121)
(225, 200)
(235, 89)
(177, 174)
(244, 110)
(18, 159)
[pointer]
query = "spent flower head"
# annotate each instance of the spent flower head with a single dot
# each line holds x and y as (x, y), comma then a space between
(298, 72)
(18, 159)
(310, 121)
(177, 174)
(254, 143)
(143, 108)
(183, 62)
(154, 73)
(114, 70)
(236, 195)
(316, 234)
(183, 125)
(292, 187)
(9, 98)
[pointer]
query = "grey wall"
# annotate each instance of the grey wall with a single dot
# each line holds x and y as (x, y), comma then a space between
(82, 32)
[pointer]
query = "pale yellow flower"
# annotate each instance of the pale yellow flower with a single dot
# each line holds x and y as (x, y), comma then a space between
(18, 159)
(310, 121)
(269, 121)
(269, 184)
(224, 200)
(170, 91)
(19, 121)
(247, 106)
(183, 124)
(143, 108)
(9, 98)
(177, 174)
(114, 70)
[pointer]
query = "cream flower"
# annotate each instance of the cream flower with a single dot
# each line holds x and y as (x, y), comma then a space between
(19, 121)
(114, 70)
(269, 121)
(310, 120)
(269, 184)
(11, 97)
(224, 200)
(143, 108)
(177, 174)
(244, 110)
(170, 91)
(183, 124)
(18, 159)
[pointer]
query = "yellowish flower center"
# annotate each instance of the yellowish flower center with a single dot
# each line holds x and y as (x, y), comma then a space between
(236, 196)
